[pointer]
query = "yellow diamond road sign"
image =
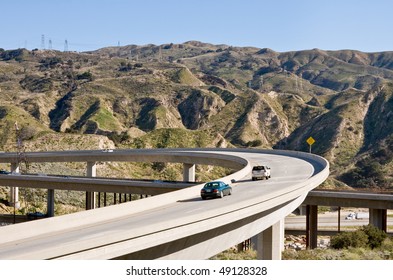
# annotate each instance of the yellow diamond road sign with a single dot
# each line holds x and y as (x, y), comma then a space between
(310, 141)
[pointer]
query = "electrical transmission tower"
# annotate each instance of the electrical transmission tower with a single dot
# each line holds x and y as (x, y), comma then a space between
(159, 54)
(50, 44)
(66, 45)
(42, 42)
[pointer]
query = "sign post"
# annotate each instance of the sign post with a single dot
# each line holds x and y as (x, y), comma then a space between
(310, 141)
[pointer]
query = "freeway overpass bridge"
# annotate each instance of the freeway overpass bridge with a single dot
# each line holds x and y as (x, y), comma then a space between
(174, 225)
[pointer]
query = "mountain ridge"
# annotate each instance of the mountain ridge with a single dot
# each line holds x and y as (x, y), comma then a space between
(236, 96)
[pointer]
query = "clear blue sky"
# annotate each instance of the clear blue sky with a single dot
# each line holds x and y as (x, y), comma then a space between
(282, 25)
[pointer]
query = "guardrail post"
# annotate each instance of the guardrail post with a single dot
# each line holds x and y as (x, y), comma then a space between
(14, 191)
(50, 202)
(270, 242)
(188, 172)
(91, 196)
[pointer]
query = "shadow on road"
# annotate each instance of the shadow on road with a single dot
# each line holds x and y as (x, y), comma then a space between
(191, 199)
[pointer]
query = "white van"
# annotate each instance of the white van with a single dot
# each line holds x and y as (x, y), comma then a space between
(260, 172)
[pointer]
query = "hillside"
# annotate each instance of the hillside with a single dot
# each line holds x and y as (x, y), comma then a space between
(202, 95)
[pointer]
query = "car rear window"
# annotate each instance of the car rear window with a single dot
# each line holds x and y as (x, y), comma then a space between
(212, 185)
(258, 168)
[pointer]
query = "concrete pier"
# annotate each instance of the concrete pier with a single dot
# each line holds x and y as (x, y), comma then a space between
(188, 172)
(312, 226)
(14, 191)
(91, 171)
(50, 203)
(269, 243)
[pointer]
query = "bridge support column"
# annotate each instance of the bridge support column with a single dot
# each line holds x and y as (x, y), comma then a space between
(302, 210)
(270, 242)
(50, 203)
(14, 191)
(188, 172)
(312, 226)
(91, 196)
(378, 218)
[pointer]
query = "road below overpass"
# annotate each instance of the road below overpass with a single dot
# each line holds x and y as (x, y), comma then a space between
(176, 225)
(328, 221)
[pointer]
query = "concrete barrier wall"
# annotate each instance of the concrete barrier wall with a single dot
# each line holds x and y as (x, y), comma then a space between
(134, 155)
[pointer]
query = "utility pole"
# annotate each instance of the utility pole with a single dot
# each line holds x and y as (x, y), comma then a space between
(21, 155)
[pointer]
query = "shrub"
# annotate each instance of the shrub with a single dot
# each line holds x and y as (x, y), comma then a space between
(366, 236)
(50, 62)
(254, 143)
(158, 166)
(367, 174)
(85, 76)
(349, 239)
(27, 132)
(125, 67)
(387, 244)
(35, 83)
(375, 236)
(13, 54)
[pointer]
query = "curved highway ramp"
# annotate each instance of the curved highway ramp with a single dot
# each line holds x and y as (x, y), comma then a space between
(179, 224)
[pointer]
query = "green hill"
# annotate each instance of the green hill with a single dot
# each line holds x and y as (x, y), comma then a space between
(197, 94)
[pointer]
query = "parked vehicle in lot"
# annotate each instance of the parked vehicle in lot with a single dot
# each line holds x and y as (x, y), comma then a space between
(215, 189)
(260, 172)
